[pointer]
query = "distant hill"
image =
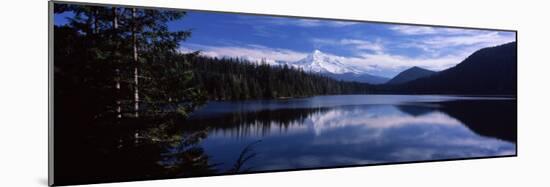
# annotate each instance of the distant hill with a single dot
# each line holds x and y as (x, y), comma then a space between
(410, 75)
(363, 78)
(491, 70)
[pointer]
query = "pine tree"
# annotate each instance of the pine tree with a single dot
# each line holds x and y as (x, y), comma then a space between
(119, 58)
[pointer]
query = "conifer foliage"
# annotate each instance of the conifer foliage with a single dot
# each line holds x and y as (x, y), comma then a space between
(123, 61)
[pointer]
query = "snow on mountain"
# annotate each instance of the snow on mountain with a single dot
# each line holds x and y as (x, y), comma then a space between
(335, 67)
(329, 65)
(320, 62)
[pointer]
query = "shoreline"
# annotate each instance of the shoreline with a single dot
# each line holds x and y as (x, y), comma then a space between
(503, 96)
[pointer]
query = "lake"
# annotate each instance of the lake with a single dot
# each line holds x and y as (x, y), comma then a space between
(224, 137)
(346, 130)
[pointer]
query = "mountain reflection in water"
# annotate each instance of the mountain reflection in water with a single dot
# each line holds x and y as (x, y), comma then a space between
(339, 135)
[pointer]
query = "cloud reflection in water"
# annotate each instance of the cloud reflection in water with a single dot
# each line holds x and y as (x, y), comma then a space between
(351, 135)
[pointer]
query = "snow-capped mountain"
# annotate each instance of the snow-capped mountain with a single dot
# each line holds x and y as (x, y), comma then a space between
(335, 67)
(320, 62)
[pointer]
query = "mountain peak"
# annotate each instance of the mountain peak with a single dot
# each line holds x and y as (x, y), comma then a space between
(491, 70)
(416, 68)
(334, 67)
(319, 62)
(411, 74)
(318, 54)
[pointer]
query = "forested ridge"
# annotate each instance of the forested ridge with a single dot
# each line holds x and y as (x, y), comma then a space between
(233, 78)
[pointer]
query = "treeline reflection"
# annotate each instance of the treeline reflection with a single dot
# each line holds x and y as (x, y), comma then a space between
(176, 148)
(494, 118)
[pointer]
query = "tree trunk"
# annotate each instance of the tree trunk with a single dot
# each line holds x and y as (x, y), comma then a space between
(117, 70)
(134, 44)
(96, 14)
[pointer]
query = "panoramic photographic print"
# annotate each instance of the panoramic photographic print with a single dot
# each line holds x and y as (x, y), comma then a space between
(148, 93)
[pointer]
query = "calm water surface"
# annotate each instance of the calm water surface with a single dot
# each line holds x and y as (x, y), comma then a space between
(340, 130)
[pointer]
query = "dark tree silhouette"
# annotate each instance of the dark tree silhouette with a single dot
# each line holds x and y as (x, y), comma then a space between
(234, 79)
(100, 109)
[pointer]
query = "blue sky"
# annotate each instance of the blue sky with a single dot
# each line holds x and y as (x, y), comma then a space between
(379, 49)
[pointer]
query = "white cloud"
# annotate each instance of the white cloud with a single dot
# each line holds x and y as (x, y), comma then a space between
(448, 43)
(395, 62)
(370, 62)
(371, 56)
(427, 30)
(354, 44)
(343, 23)
(486, 39)
(318, 23)
(441, 52)
(364, 45)
(302, 22)
(377, 53)
(433, 39)
(250, 52)
(413, 30)
(436, 45)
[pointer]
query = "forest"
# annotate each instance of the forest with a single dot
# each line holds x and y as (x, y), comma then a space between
(236, 79)
(121, 85)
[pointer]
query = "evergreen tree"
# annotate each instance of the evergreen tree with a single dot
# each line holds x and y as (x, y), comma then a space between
(132, 48)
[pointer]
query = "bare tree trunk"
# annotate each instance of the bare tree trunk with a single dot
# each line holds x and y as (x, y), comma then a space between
(96, 14)
(134, 44)
(117, 70)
